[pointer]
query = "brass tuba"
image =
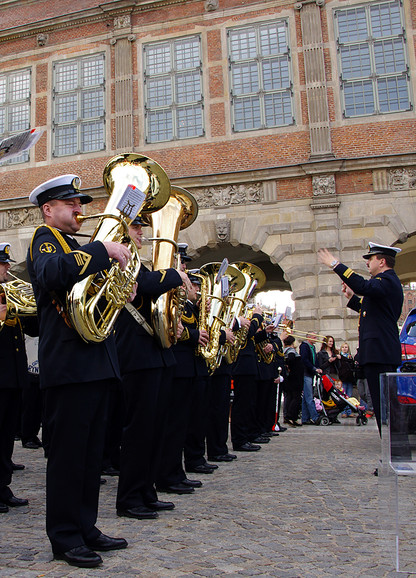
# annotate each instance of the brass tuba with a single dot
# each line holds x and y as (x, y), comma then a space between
(178, 213)
(212, 317)
(254, 279)
(19, 298)
(134, 183)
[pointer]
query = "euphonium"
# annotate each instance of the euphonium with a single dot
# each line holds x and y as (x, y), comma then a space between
(212, 318)
(261, 354)
(134, 183)
(179, 212)
(19, 297)
(254, 279)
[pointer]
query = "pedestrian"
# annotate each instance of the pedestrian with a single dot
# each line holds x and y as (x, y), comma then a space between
(311, 369)
(379, 307)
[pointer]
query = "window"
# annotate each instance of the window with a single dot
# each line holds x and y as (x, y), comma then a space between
(78, 121)
(261, 86)
(372, 57)
(173, 90)
(15, 107)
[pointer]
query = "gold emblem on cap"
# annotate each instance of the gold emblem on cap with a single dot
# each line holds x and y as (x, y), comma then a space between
(47, 248)
(76, 183)
(7, 249)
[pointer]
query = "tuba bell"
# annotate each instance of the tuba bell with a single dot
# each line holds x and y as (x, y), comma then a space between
(134, 183)
(19, 298)
(177, 214)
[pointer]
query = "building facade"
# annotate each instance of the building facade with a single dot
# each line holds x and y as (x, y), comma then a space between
(293, 124)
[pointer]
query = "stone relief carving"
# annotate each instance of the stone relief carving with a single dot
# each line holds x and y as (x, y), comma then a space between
(23, 218)
(402, 179)
(211, 5)
(42, 39)
(226, 195)
(122, 21)
(323, 185)
(223, 228)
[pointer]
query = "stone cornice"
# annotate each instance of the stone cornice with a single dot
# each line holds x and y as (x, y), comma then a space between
(88, 16)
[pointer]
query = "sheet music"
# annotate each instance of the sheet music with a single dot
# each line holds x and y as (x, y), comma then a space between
(15, 145)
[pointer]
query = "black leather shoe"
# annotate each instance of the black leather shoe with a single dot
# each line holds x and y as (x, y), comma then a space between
(261, 440)
(248, 447)
(14, 502)
(232, 456)
(223, 458)
(16, 467)
(192, 483)
(104, 543)
(159, 505)
(140, 513)
(202, 469)
(212, 466)
(80, 556)
(110, 471)
(102, 481)
(31, 445)
(3, 508)
(179, 488)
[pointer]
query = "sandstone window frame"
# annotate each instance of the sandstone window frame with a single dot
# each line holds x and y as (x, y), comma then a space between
(373, 66)
(79, 105)
(260, 76)
(15, 107)
(173, 89)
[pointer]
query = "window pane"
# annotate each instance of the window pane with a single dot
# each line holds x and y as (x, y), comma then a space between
(273, 40)
(159, 92)
(389, 56)
(66, 108)
(92, 136)
(92, 72)
(2, 89)
(188, 87)
(278, 108)
(355, 61)
(247, 113)
(189, 121)
(2, 120)
(92, 103)
(245, 78)
(19, 117)
(359, 98)
(66, 140)
(187, 54)
(393, 94)
(160, 125)
(243, 44)
(158, 59)
(66, 76)
(276, 74)
(385, 20)
(19, 86)
(352, 25)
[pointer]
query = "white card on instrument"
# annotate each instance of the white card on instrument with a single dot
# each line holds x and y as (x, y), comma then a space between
(131, 201)
(225, 287)
(16, 144)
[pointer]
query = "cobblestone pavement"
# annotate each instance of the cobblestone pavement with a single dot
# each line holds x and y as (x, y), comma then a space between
(306, 505)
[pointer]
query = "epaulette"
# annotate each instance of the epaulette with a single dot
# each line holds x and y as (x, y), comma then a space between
(58, 236)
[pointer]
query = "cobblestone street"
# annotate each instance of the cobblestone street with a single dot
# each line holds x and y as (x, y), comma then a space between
(305, 505)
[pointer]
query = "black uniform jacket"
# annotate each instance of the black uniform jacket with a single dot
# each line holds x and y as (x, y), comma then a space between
(379, 308)
(189, 364)
(13, 359)
(246, 363)
(55, 263)
(136, 348)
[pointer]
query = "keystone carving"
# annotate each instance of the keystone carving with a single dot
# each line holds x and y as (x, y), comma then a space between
(401, 179)
(223, 228)
(211, 5)
(224, 196)
(122, 21)
(323, 185)
(42, 39)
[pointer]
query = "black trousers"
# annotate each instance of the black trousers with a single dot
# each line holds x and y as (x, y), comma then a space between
(76, 416)
(31, 417)
(372, 372)
(194, 449)
(9, 415)
(243, 413)
(138, 444)
(171, 468)
(218, 415)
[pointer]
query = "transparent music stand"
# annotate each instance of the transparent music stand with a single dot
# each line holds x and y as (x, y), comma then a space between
(397, 472)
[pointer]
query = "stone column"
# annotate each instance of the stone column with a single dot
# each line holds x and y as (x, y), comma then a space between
(315, 78)
(123, 82)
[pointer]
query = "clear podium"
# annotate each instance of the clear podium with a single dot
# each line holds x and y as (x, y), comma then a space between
(397, 472)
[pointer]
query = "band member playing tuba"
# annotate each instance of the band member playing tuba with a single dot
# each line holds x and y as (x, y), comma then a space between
(75, 375)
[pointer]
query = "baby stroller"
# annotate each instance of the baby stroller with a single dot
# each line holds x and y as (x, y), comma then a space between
(331, 402)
